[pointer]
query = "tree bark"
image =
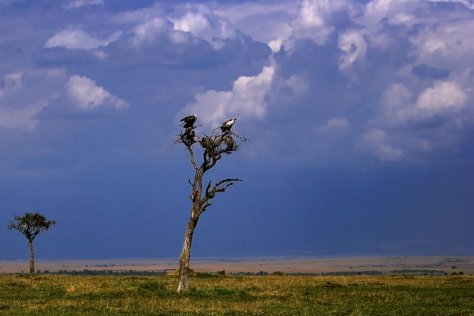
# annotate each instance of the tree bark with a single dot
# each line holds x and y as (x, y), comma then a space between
(32, 257)
(183, 275)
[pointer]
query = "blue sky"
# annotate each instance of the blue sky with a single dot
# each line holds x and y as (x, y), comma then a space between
(360, 116)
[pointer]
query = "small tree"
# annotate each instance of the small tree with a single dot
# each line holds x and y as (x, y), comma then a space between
(30, 225)
(222, 141)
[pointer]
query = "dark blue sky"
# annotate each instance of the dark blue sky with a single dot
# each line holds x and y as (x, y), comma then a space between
(360, 116)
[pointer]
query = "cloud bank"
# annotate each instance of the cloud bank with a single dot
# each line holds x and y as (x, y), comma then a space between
(389, 77)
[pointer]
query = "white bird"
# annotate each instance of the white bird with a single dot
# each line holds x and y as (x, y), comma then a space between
(227, 125)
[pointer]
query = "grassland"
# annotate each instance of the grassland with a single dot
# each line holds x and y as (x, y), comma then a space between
(237, 295)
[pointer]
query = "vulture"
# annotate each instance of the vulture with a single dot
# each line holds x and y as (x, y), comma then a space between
(227, 125)
(188, 121)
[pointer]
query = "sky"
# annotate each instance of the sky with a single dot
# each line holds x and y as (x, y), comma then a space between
(360, 116)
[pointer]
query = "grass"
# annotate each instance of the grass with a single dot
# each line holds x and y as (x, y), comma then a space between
(237, 295)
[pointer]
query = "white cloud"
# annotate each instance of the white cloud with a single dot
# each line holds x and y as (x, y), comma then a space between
(442, 99)
(150, 29)
(25, 95)
(375, 15)
(75, 4)
(192, 22)
(281, 25)
(310, 14)
(21, 118)
(418, 123)
(264, 22)
(397, 102)
(138, 15)
(353, 45)
(197, 21)
(246, 99)
(88, 95)
(394, 11)
(442, 96)
(336, 125)
(449, 44)
(275, 45)
(204, 24)
(313, 20)
(78, 39)
(378, 143)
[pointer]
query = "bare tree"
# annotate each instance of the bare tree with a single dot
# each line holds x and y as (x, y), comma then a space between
(222, 141)
(30, 225)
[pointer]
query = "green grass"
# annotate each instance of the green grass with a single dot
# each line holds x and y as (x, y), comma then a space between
(237, 295)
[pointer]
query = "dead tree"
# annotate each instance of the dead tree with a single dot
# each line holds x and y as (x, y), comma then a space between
(222, 141)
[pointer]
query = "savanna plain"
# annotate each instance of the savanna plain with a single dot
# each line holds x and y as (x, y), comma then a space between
(213, 294)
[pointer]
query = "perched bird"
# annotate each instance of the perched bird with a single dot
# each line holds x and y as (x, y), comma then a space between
(227, 125)
(188, 121)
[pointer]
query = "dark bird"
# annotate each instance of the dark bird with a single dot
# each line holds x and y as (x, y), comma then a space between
(188, 121)
(227, 125)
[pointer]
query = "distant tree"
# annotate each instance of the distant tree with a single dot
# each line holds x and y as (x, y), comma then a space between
(30, 225)
(222, 141)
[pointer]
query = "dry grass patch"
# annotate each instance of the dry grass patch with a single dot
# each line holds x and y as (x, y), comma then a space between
(236, 295)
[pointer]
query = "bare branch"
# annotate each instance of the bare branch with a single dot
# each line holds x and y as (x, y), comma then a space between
(220, 186)
(227, 180)
(191, 157)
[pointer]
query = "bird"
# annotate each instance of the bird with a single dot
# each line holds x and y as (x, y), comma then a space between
(188, 121)
(227, 125)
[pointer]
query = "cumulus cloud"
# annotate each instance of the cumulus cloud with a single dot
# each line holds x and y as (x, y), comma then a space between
(89, 96)
(149, 30)
(180, 26)
(25, 95)
(393, 11)
(449, 44)
(313, 19)
(354, 47)
(247, 99)
(204, 24)
(442, 96)
(414, 89)
(418, 122)
(266, 22)
(397, 101)
(378, 143)
(78, 39)
(284, 23)
(440, 100)
(22, 118)
(192, 22)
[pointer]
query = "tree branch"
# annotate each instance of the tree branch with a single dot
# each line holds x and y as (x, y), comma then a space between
(191, 157)
(220, 186)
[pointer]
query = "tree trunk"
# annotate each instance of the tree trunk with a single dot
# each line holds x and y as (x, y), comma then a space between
(183, 275)
(32, 257)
